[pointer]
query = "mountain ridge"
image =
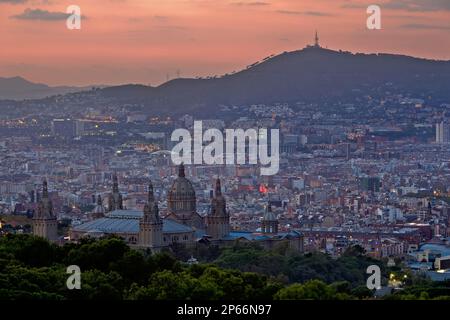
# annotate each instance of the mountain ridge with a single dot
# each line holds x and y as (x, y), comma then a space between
(19, 88)
(312, 74)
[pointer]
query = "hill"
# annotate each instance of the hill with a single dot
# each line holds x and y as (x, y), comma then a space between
(18, 88)
(312, 74)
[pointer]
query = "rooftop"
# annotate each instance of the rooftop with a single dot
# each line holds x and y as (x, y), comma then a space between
(127, 221)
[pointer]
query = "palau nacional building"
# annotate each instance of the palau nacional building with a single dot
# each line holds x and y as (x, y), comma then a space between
(181, 224)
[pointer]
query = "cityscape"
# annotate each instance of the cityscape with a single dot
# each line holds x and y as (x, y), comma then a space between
(88, 181)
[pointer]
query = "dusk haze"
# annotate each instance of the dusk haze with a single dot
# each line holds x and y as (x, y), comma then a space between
(225, 159)
(148, 42)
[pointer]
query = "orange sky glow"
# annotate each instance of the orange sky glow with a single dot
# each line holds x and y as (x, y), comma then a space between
(146, 41)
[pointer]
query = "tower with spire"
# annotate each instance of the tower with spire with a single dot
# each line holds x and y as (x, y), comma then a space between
(269, 223)
(316, 41)
(151, 224)
(181, 172)
(115, 200)
(218, 219)
(99, 210)
(45, 224)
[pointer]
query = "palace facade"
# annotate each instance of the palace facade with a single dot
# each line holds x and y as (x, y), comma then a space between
(147, 229)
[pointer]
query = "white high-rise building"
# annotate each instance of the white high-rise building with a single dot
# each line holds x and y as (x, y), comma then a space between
(443, 132)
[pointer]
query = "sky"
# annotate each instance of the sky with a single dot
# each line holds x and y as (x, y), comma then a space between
(150, 41)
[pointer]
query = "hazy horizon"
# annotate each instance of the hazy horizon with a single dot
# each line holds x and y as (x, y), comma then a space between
(189, 77)
(133, 41)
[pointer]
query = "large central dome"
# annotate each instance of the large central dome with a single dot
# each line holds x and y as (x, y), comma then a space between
(181, 195)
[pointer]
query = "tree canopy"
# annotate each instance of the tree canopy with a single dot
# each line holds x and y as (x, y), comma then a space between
(33, 268)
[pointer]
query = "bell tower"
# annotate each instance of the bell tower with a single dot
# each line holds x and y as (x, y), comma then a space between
(115, 199)
(99, 210)
(45, 224)
(218, 219)
(151, 224)
(269, 222)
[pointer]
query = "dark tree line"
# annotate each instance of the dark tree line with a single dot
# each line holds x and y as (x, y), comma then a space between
(33, 268)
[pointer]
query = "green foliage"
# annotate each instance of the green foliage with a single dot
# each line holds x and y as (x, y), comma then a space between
(342, 287)
(204, 283)
(32, 268)
(361, 292)
(133, 267)
(98, 254)
(423, 289)
(19, 282)
(311, 290)
(351, 267)
(252, 259)
(30, 250)
(97, 285)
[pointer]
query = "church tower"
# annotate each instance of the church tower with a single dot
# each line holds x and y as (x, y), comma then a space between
(45, 224)
(218, 219)
(151, 224)
(115, 200)
(99, 210)
(269, 222)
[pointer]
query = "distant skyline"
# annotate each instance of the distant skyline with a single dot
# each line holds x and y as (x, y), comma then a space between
(146, 41)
